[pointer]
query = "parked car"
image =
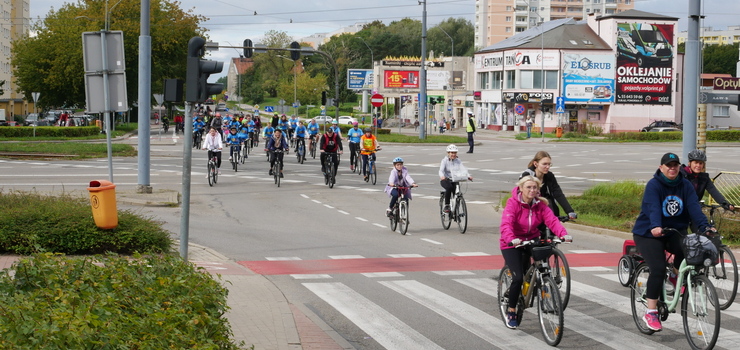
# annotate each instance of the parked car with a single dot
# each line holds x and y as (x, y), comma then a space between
(661, 124)
(345, 119)
(664, 129)
(32, 119)
(323, 119)
(221, 107)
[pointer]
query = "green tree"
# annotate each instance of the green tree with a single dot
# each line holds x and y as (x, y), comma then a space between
(51, 62)
(462, 33)
(307, 90)
(720, 58)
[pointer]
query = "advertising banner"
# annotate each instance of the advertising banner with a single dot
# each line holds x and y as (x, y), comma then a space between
(401, 79)
(528, 97)
(489, 61)
(726, 83)
(644, 63)
(532, 59)
(588, 77)
(360, 79)
(438, 80)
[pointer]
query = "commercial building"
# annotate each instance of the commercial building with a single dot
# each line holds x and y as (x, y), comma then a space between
(617, 73)
(16, 22)
(497, 20)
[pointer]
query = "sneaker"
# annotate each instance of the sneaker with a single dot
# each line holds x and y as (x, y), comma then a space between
(670, 287)
(388, 212)
(447, 208)
(271, 172)
(366, 177)
(652, 321)
(229, 158)
(511, 320)
(351, 168)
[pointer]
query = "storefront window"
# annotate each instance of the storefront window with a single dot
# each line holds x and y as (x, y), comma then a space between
(510, 79)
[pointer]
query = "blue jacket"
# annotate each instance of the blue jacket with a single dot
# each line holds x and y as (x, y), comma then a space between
(669, 205)
(283, 144)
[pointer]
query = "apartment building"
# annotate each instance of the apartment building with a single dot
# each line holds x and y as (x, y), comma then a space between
(710, 36)
(15, 24)
(497, 20)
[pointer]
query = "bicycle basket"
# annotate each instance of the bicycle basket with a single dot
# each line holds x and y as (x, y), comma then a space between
(459, 175)
(541, 253)
(697, 249)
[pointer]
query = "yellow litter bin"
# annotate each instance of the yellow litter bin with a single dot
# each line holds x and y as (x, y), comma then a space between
(103, 203)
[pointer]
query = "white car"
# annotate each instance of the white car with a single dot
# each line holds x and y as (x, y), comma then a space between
(323, 119)
(347, 120)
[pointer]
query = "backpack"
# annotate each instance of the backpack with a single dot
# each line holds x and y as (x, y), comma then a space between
(698, 248)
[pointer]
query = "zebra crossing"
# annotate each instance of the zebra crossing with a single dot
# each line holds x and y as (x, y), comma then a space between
(382, 304)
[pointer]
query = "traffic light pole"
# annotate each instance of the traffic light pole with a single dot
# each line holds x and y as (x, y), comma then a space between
(187, 165)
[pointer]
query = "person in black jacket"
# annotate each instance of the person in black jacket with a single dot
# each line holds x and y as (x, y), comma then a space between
(539, 167)
(696, 173)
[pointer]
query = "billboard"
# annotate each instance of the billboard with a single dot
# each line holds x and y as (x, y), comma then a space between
(726, 83)
(360, 79)
(438, 80)
(588, 77)
(644, 63)
(401, 79)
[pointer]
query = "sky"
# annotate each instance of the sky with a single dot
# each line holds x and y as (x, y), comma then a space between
(232, 21)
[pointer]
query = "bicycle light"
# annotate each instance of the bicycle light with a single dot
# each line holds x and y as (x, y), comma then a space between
(707, 262)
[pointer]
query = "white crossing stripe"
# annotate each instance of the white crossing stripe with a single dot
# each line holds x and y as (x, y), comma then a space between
(476, 321)
(382, 274)
(381, 325)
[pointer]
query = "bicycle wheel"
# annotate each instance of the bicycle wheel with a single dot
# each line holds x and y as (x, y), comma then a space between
(394, 218)
(724, 277)
(235, 163)
(356, 163)
(461, 214)
(313, 150)
(549, 311)
(637, 297)
(504, 282)
(716, 219)
(700, 313)
(560, 272)
(211, 171)
(403, 216)
(276, 172)
(373, 173)
(446, 218)
(624, 270)
(332, 175)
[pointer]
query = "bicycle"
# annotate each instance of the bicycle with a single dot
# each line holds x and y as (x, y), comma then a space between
(212, 168)
(356, 163)
(538, 289)
(399, 215)
(458, 210)
(312, 146)
(699, 301)
(371, 174)
(276, 167)
(165, 126)
(236, 154)
(197, 139)
(723, 275)
(301, 150)
(330, 175)
(559, 264)
(244, 153)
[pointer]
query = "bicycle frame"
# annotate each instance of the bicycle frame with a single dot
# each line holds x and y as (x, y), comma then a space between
(684, 271)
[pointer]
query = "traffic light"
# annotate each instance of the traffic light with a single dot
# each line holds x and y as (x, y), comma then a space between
(335, 102)
(440, 99)
(198, 88)
(248, 51)
(295, 55)
(323, 98)
(432, 100)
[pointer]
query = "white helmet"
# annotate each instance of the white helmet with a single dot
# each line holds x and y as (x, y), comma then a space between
(451, 148)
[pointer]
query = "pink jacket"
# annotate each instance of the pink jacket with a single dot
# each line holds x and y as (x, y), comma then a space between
(520, 220)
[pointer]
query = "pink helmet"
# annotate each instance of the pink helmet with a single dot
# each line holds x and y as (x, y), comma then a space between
(355, 123)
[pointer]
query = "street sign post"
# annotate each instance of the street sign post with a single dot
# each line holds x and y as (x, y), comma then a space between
(376, 100)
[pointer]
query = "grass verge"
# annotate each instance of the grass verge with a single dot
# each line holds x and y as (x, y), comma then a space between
(415, 138)
(69, 150)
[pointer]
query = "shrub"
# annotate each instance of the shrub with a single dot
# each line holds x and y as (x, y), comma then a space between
(31, 222)
(646, 136)
(50, 131)
(111, 302)
(723, 135)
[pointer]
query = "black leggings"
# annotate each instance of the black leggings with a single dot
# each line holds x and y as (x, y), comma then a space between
(449, 187)
(517, 259)
(652, 250)
(218, 157)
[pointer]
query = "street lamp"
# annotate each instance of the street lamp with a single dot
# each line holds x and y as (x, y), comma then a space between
(295, 83)
(372, 66)
(372, 57)
(452, 64)
(452, 40)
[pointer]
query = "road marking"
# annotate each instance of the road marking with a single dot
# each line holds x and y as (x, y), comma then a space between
(591, 268)
(381, 274)
(361, 219)
(454, 273)
(346, 257)
(406, 255)
(310, 276)
(282, 258)
(431, 241)
(586, 251)
(343, 212)
(471, 254)
(379, 324)
(379, 225)
(304, 196)
(315, 201)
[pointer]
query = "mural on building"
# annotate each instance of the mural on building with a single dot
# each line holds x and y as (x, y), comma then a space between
(644, 63)
(588, 77)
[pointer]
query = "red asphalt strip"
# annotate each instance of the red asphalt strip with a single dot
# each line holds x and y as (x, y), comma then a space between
(446, 263)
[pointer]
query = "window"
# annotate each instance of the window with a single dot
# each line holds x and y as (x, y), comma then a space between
(497, 78)
(510, 79)
(532, 79)
(525, 79)
(483, 81)
(508, 8)
(551, 79)
(508, 18)
(721, 111)
(508, 29)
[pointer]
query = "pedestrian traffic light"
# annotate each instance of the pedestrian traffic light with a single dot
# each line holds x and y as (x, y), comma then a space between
(440, 99)
(323, 98)
(248, 51)
(295, 55)
(198, 89)
(432, 100)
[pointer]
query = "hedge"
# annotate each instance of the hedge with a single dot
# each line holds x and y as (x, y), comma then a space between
(49, 131)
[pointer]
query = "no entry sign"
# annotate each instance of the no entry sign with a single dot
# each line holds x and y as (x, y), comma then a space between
(376, 100)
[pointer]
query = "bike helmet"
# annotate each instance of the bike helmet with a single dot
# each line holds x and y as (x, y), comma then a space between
(218, 114)
(397, 160)
(451, 148)
(355, 123)
(368, 130)
(334, 122)
(697, 155)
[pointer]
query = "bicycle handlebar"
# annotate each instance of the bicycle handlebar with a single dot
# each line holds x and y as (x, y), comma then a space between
(517, 243)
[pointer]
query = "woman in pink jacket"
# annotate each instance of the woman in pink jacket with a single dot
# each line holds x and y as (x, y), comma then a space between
(524, 211)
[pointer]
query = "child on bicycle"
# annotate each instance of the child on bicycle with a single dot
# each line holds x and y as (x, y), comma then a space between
(449, 164)
(233, 139)
(670, 201)
(214, 145)
(354, 135)
(524, 211)
(399, 177)
(368, 146)
(300, 134)
(277, 142)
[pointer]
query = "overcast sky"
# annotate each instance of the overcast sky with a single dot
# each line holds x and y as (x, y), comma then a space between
(232, 21)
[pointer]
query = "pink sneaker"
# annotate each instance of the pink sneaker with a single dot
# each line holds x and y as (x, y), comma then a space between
(653, 321)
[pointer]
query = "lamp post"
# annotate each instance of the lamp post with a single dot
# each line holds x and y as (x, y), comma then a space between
(452, 66)
(295, 83)
(423, 73)
(452, 40)
(372, 66)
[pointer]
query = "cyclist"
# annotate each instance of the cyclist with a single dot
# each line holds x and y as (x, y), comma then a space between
(353, 136)
(277, 141)
(300, 134)
(524, 211)
(697, 175)
(198, 126)
(334, 126)
(257, 124)
(539, 167)
(233, 139)
(283, 124)
(293, 124)
(330, 144)
(268, 131)
(214, 145)
(217, 123)
(669, 200)
(450, 164)
(244, 136)
(235, 123)
(313, 131)
(368, 146)
(274, 120)
(399, 177)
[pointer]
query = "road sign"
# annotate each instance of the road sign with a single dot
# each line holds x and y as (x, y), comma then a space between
(270, 109)
(376, 100)
(520, 109)
(559, 105)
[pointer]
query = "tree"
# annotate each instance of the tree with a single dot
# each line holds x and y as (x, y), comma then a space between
(308, 89)
(51, 62)
(720, 58)
(462, 33)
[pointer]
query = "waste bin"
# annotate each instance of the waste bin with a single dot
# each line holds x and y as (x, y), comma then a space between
(559, 132)
(103, 203)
